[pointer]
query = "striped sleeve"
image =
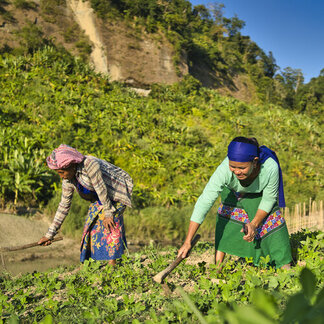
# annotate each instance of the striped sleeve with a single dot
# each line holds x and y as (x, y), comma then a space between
(96, 177)
(62, 210)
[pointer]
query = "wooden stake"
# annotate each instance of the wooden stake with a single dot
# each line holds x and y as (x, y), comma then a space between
(304, 209)
(3, 262)
(310, 206)
(321, 215)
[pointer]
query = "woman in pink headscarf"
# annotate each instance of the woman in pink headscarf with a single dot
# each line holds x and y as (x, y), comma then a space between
(107, 188)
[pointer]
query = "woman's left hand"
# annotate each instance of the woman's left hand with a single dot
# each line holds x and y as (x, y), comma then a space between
(251, 231)
(109, 223)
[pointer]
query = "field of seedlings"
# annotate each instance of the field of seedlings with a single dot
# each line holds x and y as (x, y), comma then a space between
(195, 292)
(170, 143)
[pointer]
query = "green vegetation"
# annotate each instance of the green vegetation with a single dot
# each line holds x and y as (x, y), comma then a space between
(310, 97)
(214, 42)
(23, 4)
(28, 33)
(52, 9)
(215, 50)
(127, 294)
(170, 142)
(31, 38)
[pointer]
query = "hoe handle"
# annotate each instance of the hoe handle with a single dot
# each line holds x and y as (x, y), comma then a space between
(161, 275)
(26, 246)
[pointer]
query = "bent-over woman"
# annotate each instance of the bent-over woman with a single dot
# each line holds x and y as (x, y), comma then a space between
(249, 221)
(107, 188)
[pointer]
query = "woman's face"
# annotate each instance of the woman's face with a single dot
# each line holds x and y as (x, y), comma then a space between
(242, 170)
(68, 173)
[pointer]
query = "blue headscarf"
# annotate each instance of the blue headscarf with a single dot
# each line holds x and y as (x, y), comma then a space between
(245, 152)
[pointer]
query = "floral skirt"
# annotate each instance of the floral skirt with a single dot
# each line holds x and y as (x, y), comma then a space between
(98, 243)
(271, 239)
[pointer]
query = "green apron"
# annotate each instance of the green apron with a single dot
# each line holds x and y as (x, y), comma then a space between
(272, 238)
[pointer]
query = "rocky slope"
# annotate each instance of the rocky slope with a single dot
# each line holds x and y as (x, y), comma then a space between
(125, 52)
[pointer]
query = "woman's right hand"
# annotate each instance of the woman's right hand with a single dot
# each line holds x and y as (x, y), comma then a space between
(183, 251)
(44, 241)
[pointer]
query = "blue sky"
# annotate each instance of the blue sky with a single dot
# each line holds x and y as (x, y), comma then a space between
(293, 30)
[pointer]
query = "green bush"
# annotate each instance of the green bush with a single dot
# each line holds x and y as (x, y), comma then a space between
(170, 142)
(31, 38)
(23, 4)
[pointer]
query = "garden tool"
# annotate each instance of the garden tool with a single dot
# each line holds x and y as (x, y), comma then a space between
(26, 246)
(161, 275)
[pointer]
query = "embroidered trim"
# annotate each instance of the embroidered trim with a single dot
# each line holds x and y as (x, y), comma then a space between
(234, 213)
(273, 221)
(269, 224)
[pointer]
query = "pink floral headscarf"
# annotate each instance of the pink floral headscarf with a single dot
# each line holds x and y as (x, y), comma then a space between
(63, 156)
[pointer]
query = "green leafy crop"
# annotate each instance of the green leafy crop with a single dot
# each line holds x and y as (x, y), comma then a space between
(194, 292)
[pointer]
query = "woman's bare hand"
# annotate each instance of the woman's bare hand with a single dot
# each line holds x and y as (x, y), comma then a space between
(250, 232)
(44, 241)
(109, 223)
(183, 251)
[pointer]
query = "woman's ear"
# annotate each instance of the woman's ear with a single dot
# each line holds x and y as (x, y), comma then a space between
(255, 161)
(72, 167)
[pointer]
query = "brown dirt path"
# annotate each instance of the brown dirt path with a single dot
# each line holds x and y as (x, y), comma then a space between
(19, 230)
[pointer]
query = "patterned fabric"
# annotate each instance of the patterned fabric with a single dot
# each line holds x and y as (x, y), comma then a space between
(109, 182)
(63, 156)
(272, 237)
(270, 223)
(98, 243)
(235, 214)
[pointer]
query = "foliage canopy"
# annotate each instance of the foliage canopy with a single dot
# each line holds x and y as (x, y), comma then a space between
(170, 142)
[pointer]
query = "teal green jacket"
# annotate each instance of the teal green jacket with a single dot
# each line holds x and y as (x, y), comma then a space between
(266, 182)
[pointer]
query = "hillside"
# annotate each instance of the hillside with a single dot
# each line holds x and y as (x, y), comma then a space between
(143, 44)
(125, 53)
(170, 142)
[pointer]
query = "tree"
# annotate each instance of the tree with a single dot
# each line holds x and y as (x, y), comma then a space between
(270, 66)
(310, 97)
(321, 73)
(293, 78)
(233, 25)
(216, 10)
(201, 11)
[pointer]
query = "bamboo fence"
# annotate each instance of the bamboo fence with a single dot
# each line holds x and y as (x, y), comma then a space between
(305, 216)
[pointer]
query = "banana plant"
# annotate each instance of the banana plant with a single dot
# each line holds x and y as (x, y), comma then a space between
(28, 172)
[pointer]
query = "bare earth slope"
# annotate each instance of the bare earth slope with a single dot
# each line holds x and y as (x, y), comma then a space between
(18, 230)
(123, 51)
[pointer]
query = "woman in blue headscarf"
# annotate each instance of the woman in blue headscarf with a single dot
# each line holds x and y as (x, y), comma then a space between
(249, 222)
